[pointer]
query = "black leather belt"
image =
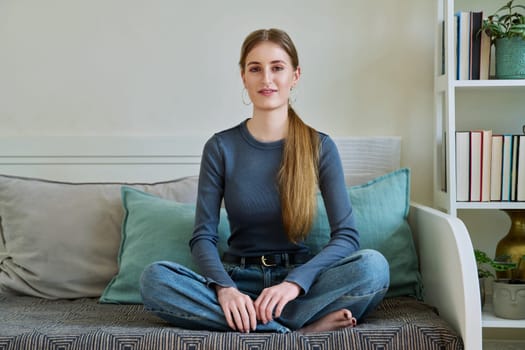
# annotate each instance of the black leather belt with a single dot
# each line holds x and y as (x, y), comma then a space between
(269, 260)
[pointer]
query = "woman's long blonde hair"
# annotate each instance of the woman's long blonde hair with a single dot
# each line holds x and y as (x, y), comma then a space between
(298, 174)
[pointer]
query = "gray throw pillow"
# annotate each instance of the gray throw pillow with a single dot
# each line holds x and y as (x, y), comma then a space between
(61, 239)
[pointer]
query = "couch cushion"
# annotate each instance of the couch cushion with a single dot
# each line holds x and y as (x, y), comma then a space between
(61, 239)
(153, 229)
(381, 210)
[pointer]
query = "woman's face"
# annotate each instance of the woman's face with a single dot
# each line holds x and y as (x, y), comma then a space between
(269, 76)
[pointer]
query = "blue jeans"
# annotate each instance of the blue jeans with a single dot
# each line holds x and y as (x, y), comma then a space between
(180, 296)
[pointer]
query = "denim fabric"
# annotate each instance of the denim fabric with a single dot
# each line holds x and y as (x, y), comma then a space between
(183, 297)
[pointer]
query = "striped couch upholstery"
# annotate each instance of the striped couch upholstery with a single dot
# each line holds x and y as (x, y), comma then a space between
(33, 323)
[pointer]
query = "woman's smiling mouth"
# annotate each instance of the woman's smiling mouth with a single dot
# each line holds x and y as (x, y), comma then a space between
(267, 92)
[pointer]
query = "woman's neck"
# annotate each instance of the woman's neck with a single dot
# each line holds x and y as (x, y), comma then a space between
(268, 127)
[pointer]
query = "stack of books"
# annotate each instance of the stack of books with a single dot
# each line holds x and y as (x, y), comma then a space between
(489, 167)
(473, 46)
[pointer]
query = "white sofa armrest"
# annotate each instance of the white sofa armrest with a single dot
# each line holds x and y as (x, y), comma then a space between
(449, 270)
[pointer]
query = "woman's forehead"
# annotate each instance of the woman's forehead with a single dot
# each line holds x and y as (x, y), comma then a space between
(267, 52)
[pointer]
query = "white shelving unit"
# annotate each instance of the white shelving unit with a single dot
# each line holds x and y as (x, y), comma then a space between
(465, 105)
(491, 321)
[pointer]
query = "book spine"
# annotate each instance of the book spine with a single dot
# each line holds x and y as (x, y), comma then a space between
(520, 181)
(495, 167)
(475, 165)
(476, 19)
(514, 167)
(462, 165)
(463, 45)
(486, 160)
(506, 168)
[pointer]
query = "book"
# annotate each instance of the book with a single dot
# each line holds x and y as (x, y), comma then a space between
(514, 167)
(442, 150)
(462, 165)
(484, 56)
(506, 168)
(476, 20)
(463, 45)
(495, 167)
(486, 160)
(520, 176)
(476, 138)
(455, 72)
(442, 46)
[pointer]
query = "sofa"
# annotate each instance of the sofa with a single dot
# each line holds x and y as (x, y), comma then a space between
(71, 253)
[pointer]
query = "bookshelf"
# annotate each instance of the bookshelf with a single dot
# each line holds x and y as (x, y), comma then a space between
(491, 321)
(460, 105)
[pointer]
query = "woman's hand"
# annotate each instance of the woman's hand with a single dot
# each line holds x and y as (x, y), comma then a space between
(275, 299)
(238, 309)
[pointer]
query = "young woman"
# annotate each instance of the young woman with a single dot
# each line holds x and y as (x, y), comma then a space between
(268, 170)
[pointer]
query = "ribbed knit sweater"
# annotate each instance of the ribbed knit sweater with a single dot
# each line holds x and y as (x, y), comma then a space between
(242, 171)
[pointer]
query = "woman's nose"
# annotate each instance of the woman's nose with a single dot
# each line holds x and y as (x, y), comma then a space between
(267, 75)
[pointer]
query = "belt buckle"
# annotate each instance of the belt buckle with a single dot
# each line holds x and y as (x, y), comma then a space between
(265, 263)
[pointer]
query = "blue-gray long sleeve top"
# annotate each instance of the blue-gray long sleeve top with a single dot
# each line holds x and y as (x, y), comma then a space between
(242, 171)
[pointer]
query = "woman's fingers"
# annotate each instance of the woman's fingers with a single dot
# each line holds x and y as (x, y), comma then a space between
(229, 319)
(238, 309)
(252, 315)
(247, 316)
(273, 300)
(279, 308)
(238, 319)
(242, 313)
(264, 308)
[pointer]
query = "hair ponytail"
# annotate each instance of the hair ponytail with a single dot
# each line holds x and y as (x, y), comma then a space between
(298, 178)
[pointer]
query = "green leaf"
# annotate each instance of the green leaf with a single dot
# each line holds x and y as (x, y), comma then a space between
(505, 18)
(505, 7)
(504, 266)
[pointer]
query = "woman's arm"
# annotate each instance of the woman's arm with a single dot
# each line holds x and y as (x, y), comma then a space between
(205, 237)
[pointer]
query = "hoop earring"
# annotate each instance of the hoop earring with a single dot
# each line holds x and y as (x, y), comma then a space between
(243, 93)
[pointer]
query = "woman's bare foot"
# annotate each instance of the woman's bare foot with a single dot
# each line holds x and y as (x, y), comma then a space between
(334, 321)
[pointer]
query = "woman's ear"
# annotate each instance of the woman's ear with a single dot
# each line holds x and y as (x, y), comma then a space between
(242, 78)
(296, 75)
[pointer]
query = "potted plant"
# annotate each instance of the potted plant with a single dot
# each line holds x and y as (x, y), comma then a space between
(508, 294)
(506, 29)
(486, 266)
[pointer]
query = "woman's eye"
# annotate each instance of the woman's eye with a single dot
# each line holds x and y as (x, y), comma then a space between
(255, 69)
(278, 68)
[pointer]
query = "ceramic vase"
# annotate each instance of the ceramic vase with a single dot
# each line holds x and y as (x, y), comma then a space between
(513, 244)
(510, 58)
(508, 299)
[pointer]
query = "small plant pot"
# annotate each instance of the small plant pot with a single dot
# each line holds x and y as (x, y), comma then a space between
(510, 58)
(508, 299)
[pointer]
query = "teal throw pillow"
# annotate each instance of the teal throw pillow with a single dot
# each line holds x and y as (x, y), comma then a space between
(153, 229)
(381, 207)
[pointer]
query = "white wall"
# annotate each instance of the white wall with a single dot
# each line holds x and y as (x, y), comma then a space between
(164, 67)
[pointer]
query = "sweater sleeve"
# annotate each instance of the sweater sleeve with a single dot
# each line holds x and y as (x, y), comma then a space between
(203, 243)
(344, 237)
